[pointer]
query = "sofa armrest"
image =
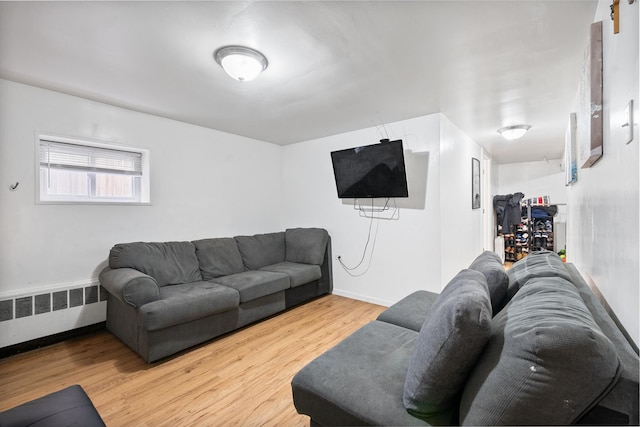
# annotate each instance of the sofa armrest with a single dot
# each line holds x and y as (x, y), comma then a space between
(130, 286)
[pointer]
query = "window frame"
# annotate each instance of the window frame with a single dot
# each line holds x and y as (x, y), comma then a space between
(142, 188)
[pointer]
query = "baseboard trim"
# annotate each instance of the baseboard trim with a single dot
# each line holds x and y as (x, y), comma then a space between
(23, 347)
(361, 297)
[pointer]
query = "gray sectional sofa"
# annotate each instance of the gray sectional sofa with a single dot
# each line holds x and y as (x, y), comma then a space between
(529, 346)
(165, 297)
(67, 407)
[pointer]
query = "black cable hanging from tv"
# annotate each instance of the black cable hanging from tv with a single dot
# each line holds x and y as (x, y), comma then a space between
(350, 270)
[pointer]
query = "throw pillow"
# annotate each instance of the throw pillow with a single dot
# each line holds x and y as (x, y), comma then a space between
(450, 340)
(547, 362)
(490, 264)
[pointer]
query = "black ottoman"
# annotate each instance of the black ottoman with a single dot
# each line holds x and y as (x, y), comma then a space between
(68, 407)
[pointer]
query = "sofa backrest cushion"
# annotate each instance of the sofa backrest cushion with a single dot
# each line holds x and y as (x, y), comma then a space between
(450, 341)
(547, 362)
(490, 264)
(170, 263)
(218, 257)
(261, 250)
(306, 245)
(536, 264)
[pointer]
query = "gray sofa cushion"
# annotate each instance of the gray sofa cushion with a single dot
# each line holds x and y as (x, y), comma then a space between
(490, 264)
(170, 263)
(67, 407)
(262, 249)
(255, 284)
(360, 380)
(218, 257)
(449, 343)
(186, 302)
(411, 311)
(536, 264)
(306, 245)
(299, 274)
(547, 361)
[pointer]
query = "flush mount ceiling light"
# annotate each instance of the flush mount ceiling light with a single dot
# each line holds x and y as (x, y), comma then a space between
(512, 133)
(240, 62)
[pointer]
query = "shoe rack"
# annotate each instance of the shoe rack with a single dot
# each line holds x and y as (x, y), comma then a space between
(517, 244)
(542, 234)
(540, 227)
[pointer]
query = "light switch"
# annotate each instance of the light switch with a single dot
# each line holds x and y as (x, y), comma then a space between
(628, 124)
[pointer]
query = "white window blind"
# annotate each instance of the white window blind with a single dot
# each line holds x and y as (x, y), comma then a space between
(75, 171)
(62, 155)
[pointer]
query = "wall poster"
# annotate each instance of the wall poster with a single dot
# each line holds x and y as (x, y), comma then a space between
(475, 183)
(590, 123)
(570, 160)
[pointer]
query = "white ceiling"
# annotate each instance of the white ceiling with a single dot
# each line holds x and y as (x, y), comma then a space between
(333, 66)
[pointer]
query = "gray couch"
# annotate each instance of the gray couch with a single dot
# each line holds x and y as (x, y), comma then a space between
(165, 297)
(67, 407)
(529, 346)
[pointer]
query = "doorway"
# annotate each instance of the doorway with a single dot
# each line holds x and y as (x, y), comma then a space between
(488, 221)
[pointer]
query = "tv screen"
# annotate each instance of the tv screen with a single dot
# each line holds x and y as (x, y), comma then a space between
(370, 171)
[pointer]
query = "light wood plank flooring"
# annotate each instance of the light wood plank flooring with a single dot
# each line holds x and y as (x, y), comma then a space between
(241, 379)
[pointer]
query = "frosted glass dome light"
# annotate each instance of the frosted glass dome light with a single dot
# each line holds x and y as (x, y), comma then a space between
(511, 133)
(240, 62)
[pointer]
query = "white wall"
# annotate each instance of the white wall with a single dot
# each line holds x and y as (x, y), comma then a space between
(204, 183)
(603, 204)
(492, 188)
(461, 226)
(408, 252)
(542, 178)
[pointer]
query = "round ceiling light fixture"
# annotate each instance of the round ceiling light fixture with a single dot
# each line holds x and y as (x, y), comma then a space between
(240, 62)
(511, 133)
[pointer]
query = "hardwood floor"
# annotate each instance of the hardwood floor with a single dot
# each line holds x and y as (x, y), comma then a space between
(243, 378)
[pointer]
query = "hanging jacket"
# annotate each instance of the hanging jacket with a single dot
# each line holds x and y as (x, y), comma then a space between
(499, 204)
(508, 210)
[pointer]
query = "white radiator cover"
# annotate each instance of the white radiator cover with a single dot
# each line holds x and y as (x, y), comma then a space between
(40, 312)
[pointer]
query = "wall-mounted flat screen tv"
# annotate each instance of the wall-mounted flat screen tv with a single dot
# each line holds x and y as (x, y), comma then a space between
(370, 171)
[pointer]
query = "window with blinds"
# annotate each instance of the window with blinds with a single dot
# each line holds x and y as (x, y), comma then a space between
(82, 171)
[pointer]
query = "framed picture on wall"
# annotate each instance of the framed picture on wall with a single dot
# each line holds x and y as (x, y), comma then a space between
(475, 183)
(590, 91)
(570, 160)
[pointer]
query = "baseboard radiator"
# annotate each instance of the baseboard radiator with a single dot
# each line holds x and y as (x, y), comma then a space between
(40, 312)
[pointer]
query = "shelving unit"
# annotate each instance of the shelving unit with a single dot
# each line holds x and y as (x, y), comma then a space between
(535, 232)
(542, 237)
(516, 243)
